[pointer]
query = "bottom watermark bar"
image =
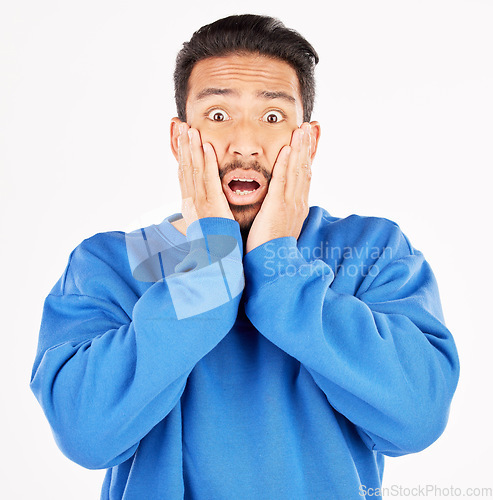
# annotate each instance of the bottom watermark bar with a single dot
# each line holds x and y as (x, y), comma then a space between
(426, 490)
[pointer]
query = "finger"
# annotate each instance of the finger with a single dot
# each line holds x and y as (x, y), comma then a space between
(303, 186)
(277, 184)
(197, 155)
(294, 168)
(184, 163)
(212, 182)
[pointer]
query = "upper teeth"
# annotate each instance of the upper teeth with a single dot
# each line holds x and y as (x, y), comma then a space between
(244, 180)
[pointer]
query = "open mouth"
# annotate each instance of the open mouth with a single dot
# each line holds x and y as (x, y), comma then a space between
(243, 187)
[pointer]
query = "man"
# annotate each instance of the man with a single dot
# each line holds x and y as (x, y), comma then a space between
(251, 347)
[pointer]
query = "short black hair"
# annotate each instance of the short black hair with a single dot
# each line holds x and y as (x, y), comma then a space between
(247, 33)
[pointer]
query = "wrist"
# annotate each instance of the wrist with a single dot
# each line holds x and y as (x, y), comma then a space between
(222, 236)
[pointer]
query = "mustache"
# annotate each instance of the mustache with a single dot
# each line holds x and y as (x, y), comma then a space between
(255, 165)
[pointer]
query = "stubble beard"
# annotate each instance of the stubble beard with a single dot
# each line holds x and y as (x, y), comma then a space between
(245, 214)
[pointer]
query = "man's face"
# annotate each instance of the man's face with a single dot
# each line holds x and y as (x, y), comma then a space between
(247, 107)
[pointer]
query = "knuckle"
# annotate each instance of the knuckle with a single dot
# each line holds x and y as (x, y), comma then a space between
(307, 170)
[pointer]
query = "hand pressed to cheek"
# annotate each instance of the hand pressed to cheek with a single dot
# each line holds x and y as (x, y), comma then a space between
(299, 168)
(296, 178)
(198, 173)
(185, 175)
(285, 206)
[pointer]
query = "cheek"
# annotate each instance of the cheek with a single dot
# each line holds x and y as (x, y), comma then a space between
(273, 143)
(217, 140)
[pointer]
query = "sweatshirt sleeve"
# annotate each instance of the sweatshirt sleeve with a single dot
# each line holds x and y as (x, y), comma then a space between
(110, 367)
(377, 348)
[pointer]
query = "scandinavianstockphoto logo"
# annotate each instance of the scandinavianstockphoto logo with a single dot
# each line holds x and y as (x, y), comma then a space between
(347, 261)
(426, 490)
(201, 274)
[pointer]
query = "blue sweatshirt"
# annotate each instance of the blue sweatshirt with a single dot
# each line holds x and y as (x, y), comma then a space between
(188, 370)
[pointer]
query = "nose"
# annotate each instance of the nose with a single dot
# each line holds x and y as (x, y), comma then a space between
(245, 140)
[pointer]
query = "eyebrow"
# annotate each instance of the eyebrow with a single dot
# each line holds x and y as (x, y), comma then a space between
(215, 91)
(276, 95)
(265, 94)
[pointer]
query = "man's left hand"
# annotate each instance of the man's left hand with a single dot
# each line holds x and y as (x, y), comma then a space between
(285, 206)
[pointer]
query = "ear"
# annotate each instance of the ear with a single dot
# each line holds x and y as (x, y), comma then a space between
(315, 133)
(174, 132)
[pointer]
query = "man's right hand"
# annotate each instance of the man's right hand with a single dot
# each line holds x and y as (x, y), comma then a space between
(198, 172)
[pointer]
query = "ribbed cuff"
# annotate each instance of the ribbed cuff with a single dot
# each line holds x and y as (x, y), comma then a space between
(271, 260)
(212, 273)
(218, 226)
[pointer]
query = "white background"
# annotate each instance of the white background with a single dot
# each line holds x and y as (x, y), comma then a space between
(405, 100)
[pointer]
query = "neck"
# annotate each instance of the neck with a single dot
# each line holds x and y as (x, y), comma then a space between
(181, 225)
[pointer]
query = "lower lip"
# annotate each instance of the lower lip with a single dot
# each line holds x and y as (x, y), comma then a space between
(243, 199)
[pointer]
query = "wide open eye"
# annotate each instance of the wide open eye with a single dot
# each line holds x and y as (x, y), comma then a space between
(217, 115)
(273, 116)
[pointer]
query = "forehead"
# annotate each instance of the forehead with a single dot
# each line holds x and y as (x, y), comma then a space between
(249, 73)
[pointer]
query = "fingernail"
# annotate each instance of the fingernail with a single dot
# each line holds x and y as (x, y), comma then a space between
(181, 128)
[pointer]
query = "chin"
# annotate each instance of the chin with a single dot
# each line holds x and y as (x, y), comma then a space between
(245, 215)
